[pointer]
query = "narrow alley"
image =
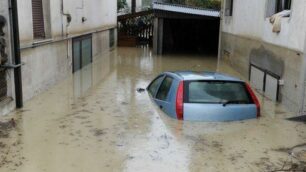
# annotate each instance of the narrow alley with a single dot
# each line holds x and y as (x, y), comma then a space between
(95, 120)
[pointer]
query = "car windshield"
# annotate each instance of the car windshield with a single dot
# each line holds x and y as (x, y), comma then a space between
(217, 92)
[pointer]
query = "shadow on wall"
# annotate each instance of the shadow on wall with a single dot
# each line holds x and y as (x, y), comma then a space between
(267, 60)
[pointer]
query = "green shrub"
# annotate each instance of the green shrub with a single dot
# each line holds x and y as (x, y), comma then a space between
(121, 4)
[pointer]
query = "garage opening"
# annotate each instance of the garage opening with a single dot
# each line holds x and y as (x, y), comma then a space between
(199, 36)
(185, 29)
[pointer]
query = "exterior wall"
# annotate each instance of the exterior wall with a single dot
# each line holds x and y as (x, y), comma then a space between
(138, 4)
(249, 20)
(48, 64)
(100, 43)
(44, 66)
(97, 14)
(241, 51)
(49, 61)
(9, 104)
(247, 38)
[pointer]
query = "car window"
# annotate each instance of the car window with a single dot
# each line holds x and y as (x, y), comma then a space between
(154, 85)
(217, 92)
(164, 88)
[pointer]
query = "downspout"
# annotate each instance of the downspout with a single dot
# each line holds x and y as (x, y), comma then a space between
(220, 36)
(62, 11)
(16, 52)
(68, 18)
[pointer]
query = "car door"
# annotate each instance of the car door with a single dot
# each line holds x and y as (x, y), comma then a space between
(164, 95)
(154, 86)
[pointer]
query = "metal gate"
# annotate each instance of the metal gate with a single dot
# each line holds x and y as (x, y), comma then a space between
(265, 82)
(82, 52)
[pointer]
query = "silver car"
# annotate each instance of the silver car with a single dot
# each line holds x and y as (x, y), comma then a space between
(205, 96)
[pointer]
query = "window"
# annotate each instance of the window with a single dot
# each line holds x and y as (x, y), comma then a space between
(164, 89)
(82, 52)
(282, 5)
(154, 85)
(229, 7)
(111, 38)
(38, 19)
(41, 19)
(217, 92)
(275, 6)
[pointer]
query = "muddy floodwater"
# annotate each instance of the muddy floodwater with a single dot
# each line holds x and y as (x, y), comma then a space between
(96, 121)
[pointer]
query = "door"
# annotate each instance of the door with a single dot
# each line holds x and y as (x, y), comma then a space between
(82, 52)
(163, 96)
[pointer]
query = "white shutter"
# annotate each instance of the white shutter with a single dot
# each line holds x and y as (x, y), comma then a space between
(271, 8)
(228, 8)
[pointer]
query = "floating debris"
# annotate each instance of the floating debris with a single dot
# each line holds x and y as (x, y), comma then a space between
(141, 90)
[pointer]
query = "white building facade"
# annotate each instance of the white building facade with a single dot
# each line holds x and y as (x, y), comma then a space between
(274, 61)
(59, 37)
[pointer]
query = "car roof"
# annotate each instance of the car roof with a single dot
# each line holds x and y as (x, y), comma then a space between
(206, 75)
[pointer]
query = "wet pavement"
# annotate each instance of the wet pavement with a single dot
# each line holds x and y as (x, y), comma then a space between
(95, 120)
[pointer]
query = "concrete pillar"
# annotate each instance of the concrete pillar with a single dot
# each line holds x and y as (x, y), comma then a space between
(133, 6)
(220, 37)
(158, 35)
(155, 35)
(302, 106)
(303, 82)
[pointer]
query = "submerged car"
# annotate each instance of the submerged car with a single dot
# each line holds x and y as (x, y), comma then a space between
(204, 96)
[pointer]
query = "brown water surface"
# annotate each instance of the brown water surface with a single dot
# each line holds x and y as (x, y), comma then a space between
(96, 121)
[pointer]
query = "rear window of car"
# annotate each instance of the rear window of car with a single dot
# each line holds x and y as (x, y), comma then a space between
(216, 92)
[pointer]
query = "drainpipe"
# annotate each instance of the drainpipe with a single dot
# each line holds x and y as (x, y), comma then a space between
(16, 52)
(68, 18)
(220, 37)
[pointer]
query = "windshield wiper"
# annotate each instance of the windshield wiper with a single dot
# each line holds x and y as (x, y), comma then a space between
(233, 102)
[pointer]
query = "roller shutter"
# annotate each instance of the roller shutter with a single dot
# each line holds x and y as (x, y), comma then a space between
(38, 19)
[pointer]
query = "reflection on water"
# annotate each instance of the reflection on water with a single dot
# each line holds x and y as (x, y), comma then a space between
(96, 121)
(82, 81)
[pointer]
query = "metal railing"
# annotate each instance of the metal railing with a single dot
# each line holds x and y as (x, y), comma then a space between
(135, 29)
